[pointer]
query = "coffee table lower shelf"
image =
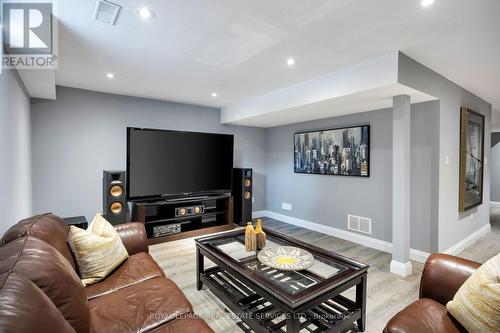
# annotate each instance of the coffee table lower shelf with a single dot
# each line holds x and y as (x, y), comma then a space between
(261, 315)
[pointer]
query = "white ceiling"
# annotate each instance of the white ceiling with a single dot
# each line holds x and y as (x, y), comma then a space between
(39, 83)
(366, 100)
(365, 86)
(239, 48)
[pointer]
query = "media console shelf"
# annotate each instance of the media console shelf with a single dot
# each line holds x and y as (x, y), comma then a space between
(160, 217)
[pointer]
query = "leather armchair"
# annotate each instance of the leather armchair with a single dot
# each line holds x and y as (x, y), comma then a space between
(441, 278)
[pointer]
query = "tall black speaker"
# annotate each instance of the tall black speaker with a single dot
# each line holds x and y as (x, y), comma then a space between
(114, 202)
(242, 194)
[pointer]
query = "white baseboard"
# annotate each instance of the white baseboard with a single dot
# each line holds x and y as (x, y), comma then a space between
(400, 268)
(258, 213)
(495, 203)
(371, 242)
(419, 256)
(466, 242)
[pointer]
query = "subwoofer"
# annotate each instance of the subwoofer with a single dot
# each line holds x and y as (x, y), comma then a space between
(114, 202)
(242, 194)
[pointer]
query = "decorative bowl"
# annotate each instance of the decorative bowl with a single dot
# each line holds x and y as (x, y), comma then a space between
(286, 258)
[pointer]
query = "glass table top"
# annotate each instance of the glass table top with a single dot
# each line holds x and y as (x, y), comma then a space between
(291, 282)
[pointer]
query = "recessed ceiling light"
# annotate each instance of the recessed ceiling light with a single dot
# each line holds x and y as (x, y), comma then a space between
(426, 3)
(214, 94)
(290, 61)
(110, 75)
(146, 13)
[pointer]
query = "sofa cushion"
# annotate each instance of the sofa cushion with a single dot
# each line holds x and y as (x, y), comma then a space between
(423, 316)
(97, 250)
(136, 268)
(133, 236)
(476, 304)
(47, 227)
(25, 308)
(139, 307)
(189, 324)
(42, 264)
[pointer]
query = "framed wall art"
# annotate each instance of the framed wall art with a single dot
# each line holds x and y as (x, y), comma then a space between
(471, 159)
(339, 151)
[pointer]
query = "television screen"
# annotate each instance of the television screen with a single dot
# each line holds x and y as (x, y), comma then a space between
(172, 163)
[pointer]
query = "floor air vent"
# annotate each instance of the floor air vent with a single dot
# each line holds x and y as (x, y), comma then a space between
(359, 224)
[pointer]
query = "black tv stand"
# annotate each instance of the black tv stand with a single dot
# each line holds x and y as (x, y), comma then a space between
(217, 216)
(204, 197)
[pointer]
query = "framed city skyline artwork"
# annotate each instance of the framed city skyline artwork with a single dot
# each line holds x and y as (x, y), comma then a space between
(340, 151)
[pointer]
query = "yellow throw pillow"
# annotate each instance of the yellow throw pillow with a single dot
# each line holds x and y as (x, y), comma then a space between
(476, 304)
(97, 250)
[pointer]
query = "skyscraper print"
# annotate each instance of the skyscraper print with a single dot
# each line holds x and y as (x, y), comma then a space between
(343, 151)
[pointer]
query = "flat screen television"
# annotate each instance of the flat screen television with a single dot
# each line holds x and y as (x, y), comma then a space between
(164, 163)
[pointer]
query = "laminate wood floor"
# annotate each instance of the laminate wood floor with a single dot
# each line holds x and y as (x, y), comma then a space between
(387, 293)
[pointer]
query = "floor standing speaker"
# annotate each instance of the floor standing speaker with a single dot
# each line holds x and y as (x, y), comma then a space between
(242, 194)
(114, 206)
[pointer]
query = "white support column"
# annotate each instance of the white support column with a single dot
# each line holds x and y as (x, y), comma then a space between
(401, 159)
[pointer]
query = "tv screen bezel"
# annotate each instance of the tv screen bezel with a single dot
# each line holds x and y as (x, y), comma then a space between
(176, 195)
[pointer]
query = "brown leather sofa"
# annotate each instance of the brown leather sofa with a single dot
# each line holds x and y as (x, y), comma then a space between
(441, 278)
(40, 290)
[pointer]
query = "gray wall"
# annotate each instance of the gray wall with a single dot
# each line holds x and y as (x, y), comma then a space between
(495, 167)
(82, 133)
(329, 199)
(424, 176)
(15, 171)
(453, 226)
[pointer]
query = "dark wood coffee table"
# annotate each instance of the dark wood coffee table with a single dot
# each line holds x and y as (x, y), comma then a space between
(269, 300)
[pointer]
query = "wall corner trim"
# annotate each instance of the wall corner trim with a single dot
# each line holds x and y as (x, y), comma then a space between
(416, 255)
(467, 241)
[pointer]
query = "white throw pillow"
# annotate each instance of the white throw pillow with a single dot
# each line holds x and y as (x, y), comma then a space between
(97, 250)
(476, 305)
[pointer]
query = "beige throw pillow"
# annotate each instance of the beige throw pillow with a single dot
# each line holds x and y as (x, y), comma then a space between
(476, 304)
(97, 250)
